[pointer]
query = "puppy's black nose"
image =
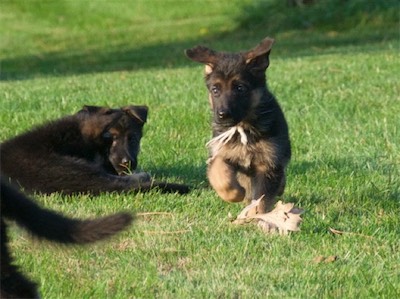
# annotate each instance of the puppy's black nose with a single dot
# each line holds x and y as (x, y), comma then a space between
(223, 113)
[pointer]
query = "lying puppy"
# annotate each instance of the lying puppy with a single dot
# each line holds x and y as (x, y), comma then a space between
(49, 225)
(88, 152)
(251, 147)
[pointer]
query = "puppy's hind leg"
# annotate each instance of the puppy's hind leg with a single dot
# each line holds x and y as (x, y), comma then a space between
(223, 179)
(269, 186)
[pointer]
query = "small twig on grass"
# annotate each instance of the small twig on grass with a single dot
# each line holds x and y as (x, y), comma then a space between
(330, 259)
(339, 232)
(154, 213)
(152, 232)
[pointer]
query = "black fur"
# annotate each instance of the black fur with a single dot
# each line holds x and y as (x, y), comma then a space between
(49, 225)
(85, 152)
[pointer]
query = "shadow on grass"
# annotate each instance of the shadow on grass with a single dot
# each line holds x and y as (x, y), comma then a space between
(370, 177)
(299, 31)
(67, 63)
(188, 174)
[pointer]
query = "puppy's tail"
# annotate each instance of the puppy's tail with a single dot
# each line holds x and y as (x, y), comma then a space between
(52, 226)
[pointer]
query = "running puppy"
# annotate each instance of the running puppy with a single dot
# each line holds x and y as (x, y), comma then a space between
(250, 148)
(88, 152)
(48, 225)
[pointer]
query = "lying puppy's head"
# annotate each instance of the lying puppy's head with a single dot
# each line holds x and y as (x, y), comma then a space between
(116, 133)
(235, 81)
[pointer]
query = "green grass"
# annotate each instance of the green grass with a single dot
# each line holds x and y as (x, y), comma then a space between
(338, 87)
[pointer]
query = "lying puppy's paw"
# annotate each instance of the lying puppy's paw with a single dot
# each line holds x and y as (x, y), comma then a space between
(141, 177)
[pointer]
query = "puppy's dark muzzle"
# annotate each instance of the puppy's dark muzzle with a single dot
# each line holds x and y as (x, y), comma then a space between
(126, 166)
(223, 114)
(224, 117)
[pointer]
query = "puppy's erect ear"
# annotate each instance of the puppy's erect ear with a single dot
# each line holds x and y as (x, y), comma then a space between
(138, 113)
(203, 55)
(258, 57)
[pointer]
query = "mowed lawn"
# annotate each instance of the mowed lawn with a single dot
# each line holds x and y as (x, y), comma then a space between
(338, 84)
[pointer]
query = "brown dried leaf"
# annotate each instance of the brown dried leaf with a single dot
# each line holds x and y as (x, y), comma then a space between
(250, 209)
(282, 219)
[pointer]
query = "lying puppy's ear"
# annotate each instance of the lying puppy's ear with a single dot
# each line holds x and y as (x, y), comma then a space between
(95, 109)
(95, 119)
(258, 58)
(138, 113)
(203, 55)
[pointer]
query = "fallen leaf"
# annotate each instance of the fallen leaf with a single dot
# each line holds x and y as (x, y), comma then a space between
(250, 209)
(282, 219)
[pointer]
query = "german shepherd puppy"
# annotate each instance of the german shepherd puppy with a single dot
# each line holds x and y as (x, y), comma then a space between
(251, 147)
(88, 152)
(49, 225)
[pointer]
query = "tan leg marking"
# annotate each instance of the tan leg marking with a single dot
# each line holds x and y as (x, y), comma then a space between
(223, 179)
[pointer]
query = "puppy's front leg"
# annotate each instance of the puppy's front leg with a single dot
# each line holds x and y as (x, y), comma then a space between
(140, 177)
(223, 179)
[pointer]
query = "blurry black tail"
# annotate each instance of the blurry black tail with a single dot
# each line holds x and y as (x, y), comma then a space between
(52, 226)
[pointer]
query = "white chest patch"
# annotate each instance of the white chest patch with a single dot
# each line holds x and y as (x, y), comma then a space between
(219, 141)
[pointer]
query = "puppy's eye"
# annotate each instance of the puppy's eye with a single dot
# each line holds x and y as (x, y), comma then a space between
(214, 90)
(240, 88)
(108, 136)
